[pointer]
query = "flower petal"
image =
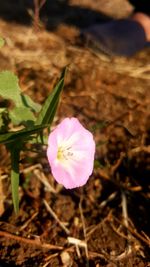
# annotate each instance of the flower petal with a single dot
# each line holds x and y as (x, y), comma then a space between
(77, 164)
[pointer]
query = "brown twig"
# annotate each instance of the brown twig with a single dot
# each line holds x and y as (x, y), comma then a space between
(37, 7)
(104, 203)
(84, 232)
(53, 214)
(118, 233)
(139, 149)
(30, 242)
(48, 259)
(42, 178)
(28, 221)
(134, 232)
(117, 164)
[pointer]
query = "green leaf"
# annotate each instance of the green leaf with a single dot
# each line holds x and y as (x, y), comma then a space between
(9, 87)
(22, 115)
(49, 108)
(17, 136)
(4, 120)
(15, 153)
(28, 102)
(2, 42)
(2, 110)
(1, 121)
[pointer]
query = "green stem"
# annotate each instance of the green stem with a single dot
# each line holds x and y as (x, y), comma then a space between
(15, 154)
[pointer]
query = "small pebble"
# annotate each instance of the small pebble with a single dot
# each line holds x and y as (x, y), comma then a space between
(66, 259)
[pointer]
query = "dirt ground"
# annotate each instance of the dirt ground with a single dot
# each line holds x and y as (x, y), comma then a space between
(106, 222)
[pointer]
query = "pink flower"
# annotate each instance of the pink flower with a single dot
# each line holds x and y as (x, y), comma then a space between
(70, 153)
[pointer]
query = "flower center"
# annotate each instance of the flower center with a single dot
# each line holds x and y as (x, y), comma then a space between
(64, 153)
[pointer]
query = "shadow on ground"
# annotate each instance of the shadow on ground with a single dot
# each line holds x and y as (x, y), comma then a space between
(53, 13)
